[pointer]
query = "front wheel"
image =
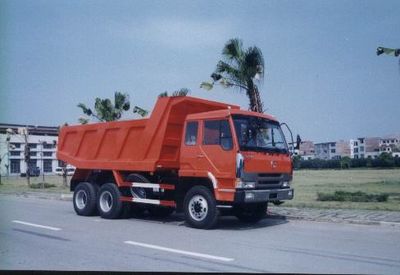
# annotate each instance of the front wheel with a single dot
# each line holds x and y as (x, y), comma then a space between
(200, 208)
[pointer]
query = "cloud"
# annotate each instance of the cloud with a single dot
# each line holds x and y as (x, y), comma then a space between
(176, 33)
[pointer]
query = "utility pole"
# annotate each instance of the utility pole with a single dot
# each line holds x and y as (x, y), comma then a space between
(25, 133)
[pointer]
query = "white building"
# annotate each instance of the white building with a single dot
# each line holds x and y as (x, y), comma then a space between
(42, 142)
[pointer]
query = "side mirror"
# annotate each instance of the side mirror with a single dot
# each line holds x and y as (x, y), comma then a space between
(291, 148)
(298, 142)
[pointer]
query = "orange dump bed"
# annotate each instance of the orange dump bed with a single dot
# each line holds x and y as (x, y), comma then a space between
(133, 145)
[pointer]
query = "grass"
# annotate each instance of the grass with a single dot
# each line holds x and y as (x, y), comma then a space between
(53, 184)
(308, 183)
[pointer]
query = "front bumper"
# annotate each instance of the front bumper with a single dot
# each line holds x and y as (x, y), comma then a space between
(249, 196)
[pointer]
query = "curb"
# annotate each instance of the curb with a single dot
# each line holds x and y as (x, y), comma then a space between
(360, 222)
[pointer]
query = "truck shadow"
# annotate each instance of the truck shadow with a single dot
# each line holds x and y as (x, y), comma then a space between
(224, 222)
(232, 223)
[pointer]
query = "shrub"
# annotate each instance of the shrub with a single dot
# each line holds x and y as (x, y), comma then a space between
(42, 185)
(352, 196)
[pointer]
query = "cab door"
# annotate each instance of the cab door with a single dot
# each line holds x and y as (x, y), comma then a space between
(211, 153)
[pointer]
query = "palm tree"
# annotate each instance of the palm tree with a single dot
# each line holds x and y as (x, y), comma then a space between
(240, 68)
(105, 110)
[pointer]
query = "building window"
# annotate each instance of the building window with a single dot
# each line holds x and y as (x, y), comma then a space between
(32, 145)
(361, 148)
(15, 166)
(33, 154)
(47, 166)
(355, 143)
(333, 151)
(362, 156)
(355, 150)
(191, 133)
(15, 145)
(361, 140)
(15, 153)
(47, 154)
(48, 146)
(333, 144)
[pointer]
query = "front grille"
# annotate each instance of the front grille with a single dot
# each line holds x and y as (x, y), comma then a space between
(269, 181)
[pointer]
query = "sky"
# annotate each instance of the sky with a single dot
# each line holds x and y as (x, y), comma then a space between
(322, 74)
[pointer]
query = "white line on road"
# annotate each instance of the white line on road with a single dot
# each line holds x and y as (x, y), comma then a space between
(37, 225)
(194, 254)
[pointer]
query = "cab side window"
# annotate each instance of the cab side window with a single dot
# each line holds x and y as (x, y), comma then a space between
(191, 133)
(218, 132)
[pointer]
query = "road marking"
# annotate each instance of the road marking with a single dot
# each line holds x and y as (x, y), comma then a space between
(194, 254)
(37, 225)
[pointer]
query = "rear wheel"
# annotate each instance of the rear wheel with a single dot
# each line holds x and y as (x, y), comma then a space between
(251, 213)
(84, 199)
(200, 208)
(108, 203)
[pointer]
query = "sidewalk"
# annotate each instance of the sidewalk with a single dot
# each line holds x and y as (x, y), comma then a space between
(367, 217)
(337, 215)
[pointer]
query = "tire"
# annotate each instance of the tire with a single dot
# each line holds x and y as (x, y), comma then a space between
(200, 208)
(84, 199)
(160, 211)
(251, 213)
(108, 201)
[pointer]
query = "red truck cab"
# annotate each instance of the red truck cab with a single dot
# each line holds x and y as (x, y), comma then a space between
(243, 153)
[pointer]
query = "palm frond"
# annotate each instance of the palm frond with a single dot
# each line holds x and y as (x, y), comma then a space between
(231, 71)
(233, 50)
(254, 62)
(140, 111)
(83, 120)
(206, 85)
(85, 110)
(164, 94)
(181, 92)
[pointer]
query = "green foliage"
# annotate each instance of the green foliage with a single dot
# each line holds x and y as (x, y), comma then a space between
(352, 196)
(106, 110)
(384, 160)
(180, 92)
(239, 68)
(345, 163)
(42, 185)
(140, 111)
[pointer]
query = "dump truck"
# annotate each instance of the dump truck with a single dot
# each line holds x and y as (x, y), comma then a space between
(199, 157)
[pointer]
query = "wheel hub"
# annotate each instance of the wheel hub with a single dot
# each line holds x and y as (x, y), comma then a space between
(81, 199)
(198, 208)
(106, 201)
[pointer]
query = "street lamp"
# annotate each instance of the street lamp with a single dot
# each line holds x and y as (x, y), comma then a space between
(42, 143)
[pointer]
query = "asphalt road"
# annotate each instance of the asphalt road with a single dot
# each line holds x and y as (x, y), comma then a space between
(44, 234)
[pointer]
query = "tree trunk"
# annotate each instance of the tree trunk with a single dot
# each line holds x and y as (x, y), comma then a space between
(256, 104)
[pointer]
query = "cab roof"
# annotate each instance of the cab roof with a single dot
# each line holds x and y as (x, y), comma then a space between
(228, 112)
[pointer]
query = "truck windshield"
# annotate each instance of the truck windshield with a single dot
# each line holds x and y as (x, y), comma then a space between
(259, 134)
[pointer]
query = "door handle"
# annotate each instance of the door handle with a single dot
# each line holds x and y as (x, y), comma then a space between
(200, 156)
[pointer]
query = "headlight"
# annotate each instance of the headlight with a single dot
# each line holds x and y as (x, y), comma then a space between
(286, 184)
(245, 184)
